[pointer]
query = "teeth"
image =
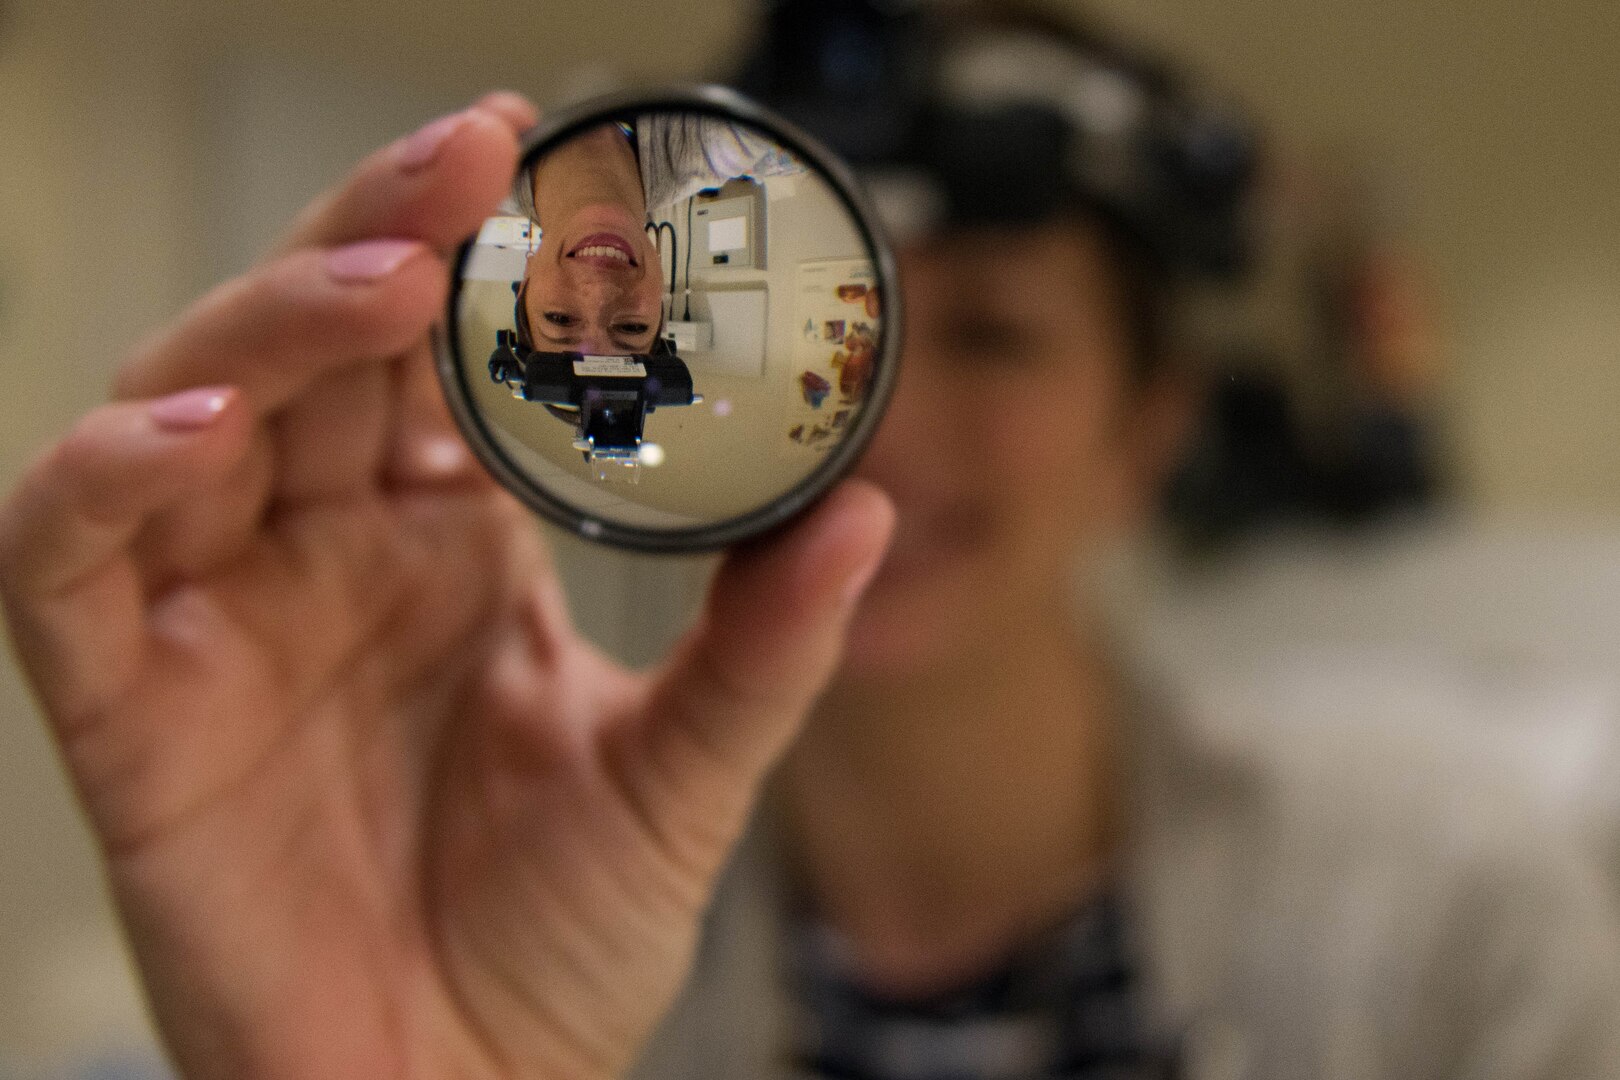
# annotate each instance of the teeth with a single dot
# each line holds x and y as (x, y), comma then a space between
(603, 249)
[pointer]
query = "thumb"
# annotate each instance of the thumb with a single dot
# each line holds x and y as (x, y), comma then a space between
(738, 686)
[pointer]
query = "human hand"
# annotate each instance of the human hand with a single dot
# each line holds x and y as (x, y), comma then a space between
(369, 807)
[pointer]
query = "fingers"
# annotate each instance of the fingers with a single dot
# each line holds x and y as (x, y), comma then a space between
(436, 185)
(216, 522)
(424, 449)
(279, 329)
(329, 442)
(84, 502)
(738, 687)
(322, 411)
(72, 591)
(421, 194)
(360, 281)
(287, 332)
(514, 108)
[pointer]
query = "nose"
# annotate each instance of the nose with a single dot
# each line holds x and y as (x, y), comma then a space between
(598, 298)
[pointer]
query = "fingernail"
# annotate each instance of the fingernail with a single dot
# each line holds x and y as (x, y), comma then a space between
(417, 151)
(369, 260)
(190, 410)
(507, 104)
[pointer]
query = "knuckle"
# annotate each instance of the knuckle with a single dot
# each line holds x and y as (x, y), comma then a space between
(78, 462)
(131, 374)
(746, 685)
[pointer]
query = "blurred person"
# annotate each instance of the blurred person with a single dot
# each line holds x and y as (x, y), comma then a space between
(369, 810)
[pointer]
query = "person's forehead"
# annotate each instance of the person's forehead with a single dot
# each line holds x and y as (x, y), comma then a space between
(1061, 232)
(991, 255)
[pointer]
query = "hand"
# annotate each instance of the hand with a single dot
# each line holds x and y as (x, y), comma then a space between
(368, 806)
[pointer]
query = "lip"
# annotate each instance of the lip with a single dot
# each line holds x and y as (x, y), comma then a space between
(619, 255)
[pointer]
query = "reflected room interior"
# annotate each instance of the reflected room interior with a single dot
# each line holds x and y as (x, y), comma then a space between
(678, 350)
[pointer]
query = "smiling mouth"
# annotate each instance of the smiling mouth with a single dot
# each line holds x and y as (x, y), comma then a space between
(603, 249)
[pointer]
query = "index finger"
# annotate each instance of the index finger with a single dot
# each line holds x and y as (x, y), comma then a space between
(435, 185)
(284, 325)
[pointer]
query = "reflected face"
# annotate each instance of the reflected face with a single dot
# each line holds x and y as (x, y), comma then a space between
(1015, 439)
(659, 449)
(595, 285)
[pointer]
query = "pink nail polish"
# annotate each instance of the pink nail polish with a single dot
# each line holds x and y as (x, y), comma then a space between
(190, 410)
(369, 260)
(417, 151)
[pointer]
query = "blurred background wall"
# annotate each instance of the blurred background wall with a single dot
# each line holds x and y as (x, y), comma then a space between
(150, 149)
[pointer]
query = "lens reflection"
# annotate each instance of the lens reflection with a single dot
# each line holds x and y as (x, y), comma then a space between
(671, 322)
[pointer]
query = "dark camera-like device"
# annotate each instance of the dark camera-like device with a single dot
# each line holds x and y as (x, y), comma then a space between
(606, 398)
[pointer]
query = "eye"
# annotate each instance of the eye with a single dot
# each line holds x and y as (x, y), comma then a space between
(634, 328)
(559, 318)
(992, 336)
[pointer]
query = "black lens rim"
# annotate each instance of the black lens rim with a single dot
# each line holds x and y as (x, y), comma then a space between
(716, 101)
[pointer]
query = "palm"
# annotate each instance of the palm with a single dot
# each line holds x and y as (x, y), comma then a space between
(276, 753)
(341, 779)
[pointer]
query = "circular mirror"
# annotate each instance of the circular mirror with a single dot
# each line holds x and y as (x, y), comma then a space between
(679, 330)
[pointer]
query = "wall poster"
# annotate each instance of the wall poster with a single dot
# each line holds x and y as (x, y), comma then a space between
(836, 318)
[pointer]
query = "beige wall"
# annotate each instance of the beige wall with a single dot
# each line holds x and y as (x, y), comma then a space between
(89, 259)
(1489, 125)
(128, 181)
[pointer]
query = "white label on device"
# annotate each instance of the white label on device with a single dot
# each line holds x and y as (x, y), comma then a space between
(728, 234)
(627, 367)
